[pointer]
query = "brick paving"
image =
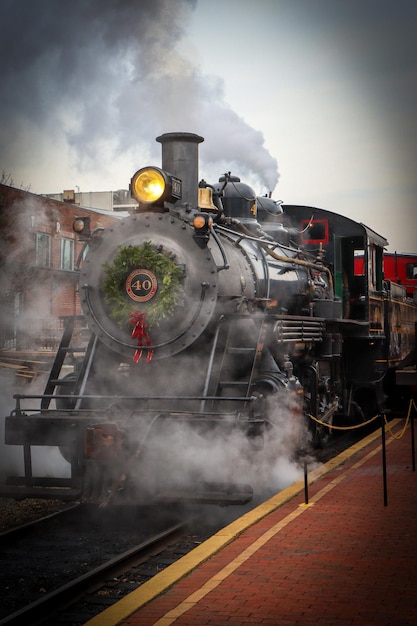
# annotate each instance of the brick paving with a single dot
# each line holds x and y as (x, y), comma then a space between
(344, 559)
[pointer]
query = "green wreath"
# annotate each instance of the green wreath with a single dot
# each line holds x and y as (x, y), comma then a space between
(166, 271)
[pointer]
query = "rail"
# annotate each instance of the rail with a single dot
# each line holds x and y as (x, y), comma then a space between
(68, 592)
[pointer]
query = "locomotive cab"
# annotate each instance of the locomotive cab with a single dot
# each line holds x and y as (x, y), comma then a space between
(341, 241)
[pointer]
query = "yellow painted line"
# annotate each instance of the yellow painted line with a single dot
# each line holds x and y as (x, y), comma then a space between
(173, 573)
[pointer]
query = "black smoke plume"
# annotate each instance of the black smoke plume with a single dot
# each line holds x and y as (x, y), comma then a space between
(108, 76)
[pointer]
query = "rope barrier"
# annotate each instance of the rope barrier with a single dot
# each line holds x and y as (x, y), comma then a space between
(372, 419)
(410, 406)
(354, 427)
(384, 422)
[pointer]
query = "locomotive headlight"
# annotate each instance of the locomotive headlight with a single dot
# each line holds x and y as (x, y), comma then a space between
(151, 185)
(81, 226)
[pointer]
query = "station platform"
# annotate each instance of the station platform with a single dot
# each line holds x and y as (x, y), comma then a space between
(338, 548)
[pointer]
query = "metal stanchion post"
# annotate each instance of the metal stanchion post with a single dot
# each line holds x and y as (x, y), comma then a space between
(413, 452)
(384, 459)
(305, 483)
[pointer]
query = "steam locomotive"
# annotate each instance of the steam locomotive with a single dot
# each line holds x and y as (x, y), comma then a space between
(217, 320)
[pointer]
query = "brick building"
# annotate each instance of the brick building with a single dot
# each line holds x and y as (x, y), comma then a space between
(38, 266)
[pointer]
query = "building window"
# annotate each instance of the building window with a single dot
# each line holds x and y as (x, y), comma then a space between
(411, 271)
(42, 250)
(67, 254)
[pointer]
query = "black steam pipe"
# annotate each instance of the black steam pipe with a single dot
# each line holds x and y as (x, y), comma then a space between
(180, 158)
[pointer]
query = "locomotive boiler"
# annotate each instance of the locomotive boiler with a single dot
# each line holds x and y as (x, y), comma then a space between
(208, 333)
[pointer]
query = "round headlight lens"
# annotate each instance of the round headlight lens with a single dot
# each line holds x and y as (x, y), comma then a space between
(78, 225)
(148, 185)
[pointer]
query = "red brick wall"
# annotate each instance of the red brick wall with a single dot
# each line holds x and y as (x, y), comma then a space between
(47, 292)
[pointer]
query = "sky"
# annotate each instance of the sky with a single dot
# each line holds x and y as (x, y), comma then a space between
(314, 100)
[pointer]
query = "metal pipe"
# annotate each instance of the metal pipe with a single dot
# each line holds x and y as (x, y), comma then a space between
(180, 158)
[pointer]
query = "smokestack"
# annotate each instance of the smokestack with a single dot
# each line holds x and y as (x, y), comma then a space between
(180, 158)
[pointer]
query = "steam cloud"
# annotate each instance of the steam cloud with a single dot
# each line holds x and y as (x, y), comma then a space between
(46, 460)
(108, 75)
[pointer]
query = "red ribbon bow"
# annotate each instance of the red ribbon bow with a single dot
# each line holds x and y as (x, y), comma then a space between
(140, 331)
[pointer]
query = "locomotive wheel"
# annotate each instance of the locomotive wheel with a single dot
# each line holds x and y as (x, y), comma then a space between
(363, 408)
(321, 434)
(315, 404)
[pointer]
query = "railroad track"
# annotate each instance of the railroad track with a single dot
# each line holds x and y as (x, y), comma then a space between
(40, 536)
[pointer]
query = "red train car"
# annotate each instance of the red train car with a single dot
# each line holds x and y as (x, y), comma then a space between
(400, 268)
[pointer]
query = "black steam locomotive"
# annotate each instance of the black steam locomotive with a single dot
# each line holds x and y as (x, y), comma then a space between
(222, 328)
